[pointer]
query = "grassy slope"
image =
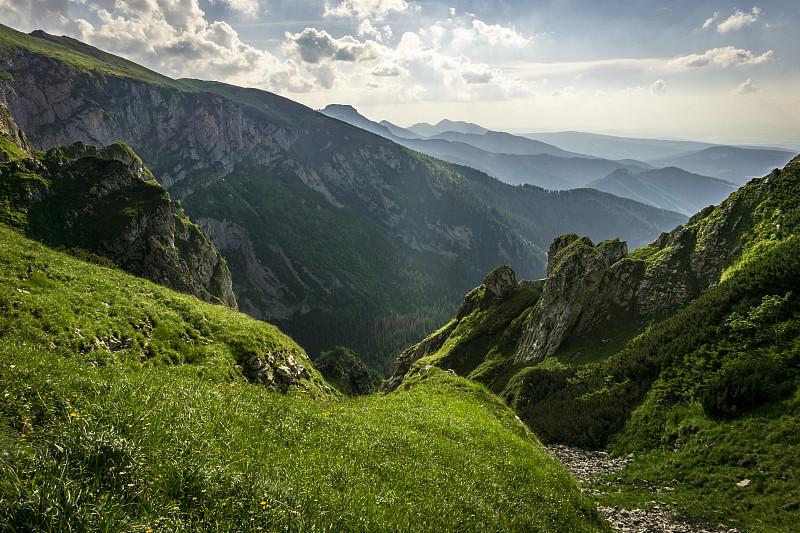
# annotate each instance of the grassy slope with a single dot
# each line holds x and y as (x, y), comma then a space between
(101, 440)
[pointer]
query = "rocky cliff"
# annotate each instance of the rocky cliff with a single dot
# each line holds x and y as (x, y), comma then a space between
(591, 290)
(104, 201)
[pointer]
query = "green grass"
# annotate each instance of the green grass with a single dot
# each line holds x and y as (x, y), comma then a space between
(111, 318)
(98, 439)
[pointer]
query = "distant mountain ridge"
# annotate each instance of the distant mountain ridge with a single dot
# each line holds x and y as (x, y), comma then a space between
(509, 158)
(669, 188)
(737, 164)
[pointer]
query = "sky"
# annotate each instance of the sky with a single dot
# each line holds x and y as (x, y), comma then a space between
(690, 69)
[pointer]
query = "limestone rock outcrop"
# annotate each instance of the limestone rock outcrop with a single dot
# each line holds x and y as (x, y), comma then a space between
(590, 288)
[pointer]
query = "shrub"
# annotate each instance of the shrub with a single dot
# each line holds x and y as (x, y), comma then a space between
(743, 384)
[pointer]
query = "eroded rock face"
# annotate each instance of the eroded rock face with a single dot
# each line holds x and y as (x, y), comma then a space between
(576, 271)
(589, 287)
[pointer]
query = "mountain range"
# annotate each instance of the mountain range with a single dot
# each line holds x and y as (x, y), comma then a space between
(523, 159)
(339, 236)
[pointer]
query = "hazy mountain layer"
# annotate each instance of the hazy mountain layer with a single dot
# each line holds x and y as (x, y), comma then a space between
(737, 165)
(669, 188)
(510, 158)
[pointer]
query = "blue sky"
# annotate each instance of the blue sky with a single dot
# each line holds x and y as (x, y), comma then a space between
(705, 70)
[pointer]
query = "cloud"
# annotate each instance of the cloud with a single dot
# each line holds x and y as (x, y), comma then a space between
(747, 87)
(738, 20)
(658, 87)
(390, 70)
(567, 91)
(314, 46)
(174, 37)
(496, 34)
(709, 21)
(493, 35)
(366, 28)
(248, 7)
(367, 9)
(722, 57)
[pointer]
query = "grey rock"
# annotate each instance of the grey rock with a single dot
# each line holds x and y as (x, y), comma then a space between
(501, 281)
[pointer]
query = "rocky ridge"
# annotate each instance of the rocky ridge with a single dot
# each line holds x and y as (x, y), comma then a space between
(104, 201)
(590, 288)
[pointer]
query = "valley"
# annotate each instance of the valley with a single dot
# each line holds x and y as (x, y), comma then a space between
(223, 310)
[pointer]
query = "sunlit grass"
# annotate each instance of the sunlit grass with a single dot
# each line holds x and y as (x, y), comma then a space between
(123, 409)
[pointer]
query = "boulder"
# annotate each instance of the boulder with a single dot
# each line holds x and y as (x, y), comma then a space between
(501, 281)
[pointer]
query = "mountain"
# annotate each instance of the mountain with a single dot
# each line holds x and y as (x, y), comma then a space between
(105, 202)
(348, 114)
(397, 131)
(683, 353)
(737, 165)
(341, 237)
(505, 143)
(668, 188)
(616, 148)
(424, 129)
(509, 158)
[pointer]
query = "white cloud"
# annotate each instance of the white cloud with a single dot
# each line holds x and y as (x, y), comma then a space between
(738, 20)
(658, 87)
(174, 37)
(709, 21)
(391, 70)
(499, 35)
(483, 33)
(365, 28)
(747, 87)
(363, 9)
(248, 7)
(722, 57)
(314, 46)
(567, 91)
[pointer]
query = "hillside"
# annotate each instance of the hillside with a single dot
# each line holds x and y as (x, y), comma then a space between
(129, 407)
(339, 236)
(685, 353)
(105, 202)
(668, 188)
